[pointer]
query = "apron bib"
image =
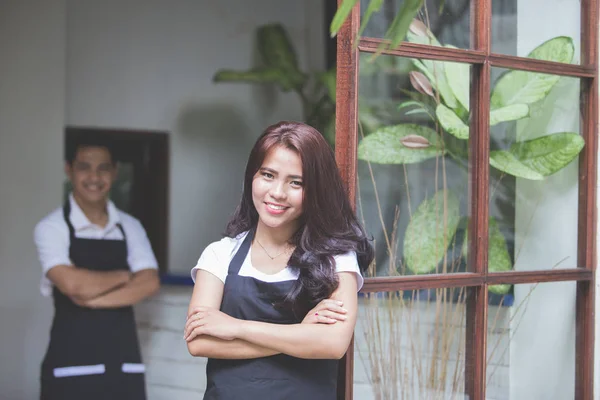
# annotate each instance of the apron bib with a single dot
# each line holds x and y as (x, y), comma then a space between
(279, 377)
(92, 354)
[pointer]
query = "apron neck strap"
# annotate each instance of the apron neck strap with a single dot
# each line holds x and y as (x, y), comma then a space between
(240, 255)
(66, 215)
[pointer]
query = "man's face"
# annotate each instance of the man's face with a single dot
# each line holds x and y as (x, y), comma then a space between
(92, 174)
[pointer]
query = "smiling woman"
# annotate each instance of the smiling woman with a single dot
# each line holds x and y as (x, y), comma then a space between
(274, 303)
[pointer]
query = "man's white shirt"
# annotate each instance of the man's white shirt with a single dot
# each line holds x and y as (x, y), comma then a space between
(51, 236)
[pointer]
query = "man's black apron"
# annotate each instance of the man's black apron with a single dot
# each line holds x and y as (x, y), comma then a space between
(92, 354)
(279, 377)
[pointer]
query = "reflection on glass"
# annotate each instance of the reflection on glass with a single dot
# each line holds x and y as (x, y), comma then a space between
(535, 143)
(517, 29)
(446, 21)
(531, 344)
(413, 163)
(411, 345)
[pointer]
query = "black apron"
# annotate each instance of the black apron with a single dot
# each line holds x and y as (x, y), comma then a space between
(276, 377)
(93, 354)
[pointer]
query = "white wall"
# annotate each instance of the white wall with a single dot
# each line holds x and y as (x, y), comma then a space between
(148, 64)
(32, 45)
(542, 356)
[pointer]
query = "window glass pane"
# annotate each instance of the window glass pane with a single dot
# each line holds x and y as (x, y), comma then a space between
(535, 145)
(531, 343)
(411, 345)
(413, 163)
(520, 26)
(448, 21)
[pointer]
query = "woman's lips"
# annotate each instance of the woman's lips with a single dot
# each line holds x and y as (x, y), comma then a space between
(275, 209)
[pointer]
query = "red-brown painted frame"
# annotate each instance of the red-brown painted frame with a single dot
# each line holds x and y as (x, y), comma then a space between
(482, 59)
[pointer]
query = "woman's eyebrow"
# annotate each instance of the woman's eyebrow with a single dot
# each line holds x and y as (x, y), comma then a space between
(267, 169)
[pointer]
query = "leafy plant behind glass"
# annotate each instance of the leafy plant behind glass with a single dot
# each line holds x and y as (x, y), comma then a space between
(444, 97)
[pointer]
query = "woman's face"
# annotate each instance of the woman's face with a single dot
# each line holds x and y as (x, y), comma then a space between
(277, 189)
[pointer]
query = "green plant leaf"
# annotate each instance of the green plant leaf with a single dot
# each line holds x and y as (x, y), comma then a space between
(384, 146)
(256, 75)
(418, 111)
(419, 108)
(458, 76)
(277, 52)
(410, 103)
(498, 256)
(522, 87)
(508, 163)
(451, 122)
(340, 16)
(328, 79)
(548, 154)
(399, 26)
(374, 6)
(509, 113)
(427, 236)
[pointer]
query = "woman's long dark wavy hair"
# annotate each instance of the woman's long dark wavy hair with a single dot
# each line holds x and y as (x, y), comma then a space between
(328, 226)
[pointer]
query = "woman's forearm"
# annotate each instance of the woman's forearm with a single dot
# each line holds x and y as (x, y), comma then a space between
(310, 341)
(237, 349)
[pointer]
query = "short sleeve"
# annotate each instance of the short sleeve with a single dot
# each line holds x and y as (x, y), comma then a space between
(139, 250)
(52, 243)
(215, 259)
(349, 263)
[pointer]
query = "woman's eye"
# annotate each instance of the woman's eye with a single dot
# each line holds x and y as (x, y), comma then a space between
(296, 183)
(267, 175)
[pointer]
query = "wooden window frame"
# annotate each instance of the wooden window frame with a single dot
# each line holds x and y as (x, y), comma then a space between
(482, 60)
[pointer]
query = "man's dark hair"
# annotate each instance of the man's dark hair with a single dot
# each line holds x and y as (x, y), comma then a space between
(73, 145)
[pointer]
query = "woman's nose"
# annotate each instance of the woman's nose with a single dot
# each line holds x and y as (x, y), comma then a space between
(277, 190)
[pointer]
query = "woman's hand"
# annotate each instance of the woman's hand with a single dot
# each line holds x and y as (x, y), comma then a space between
(211, 322)
(328, 311)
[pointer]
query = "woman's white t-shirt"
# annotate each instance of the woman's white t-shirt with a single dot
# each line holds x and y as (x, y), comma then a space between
(217, 256)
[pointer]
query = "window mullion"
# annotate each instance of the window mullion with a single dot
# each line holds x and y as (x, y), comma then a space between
(346, 142)
(479, 139)
(587, 224)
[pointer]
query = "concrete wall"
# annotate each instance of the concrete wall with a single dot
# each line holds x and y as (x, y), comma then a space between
(32, 98)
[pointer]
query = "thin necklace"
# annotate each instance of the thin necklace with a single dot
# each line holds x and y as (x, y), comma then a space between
(267, 253)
